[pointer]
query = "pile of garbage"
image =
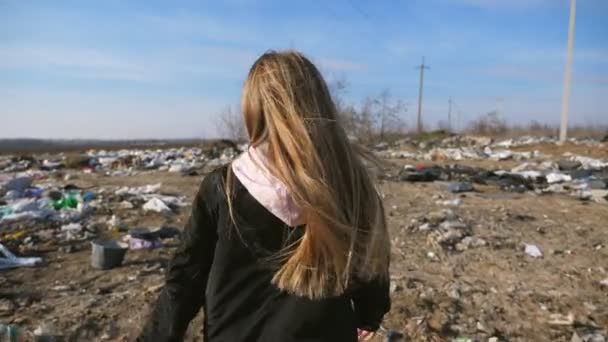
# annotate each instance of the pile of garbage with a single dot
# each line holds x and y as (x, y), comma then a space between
(34, 210)
(464, 147)
(446, 231)
(584, 177)
(124, 162)
(21, 200)
(461, 153)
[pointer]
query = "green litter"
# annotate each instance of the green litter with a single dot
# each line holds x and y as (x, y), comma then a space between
(66, 202)
(462, 339)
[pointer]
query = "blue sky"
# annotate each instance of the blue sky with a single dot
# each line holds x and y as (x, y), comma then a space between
(165, 69)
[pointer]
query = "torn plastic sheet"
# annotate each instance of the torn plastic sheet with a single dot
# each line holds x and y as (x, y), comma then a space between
(11, 261)
(587, 162)
(155, 204)
(138, 191)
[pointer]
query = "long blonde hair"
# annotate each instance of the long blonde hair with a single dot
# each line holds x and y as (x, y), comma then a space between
(286, 105)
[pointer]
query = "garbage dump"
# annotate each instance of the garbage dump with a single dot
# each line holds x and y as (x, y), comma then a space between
(492, 240)
(581, 176)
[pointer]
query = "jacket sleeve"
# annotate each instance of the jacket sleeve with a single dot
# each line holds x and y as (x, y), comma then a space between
(188, 271)
(371, 302)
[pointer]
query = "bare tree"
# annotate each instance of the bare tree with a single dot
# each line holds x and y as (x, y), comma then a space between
(489, 124)
(387, 115)
(230, 124)
(443, 125)
(347, 114)
(338, 88)
(376, 117)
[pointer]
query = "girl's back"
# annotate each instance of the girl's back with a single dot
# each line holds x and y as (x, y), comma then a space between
(282, 245)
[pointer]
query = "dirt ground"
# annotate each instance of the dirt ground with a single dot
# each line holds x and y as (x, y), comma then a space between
(438, 293)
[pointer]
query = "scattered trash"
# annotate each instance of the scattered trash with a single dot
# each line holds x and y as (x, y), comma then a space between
(462, 339)
(159, 233)
(180, 168)
(596, 184)
(470, 242)
(138, 191)
(499, 155)
(449, 233)
(46, 333)
(460, 187)
(72, 227)
(587, 162)
(450, 203)
(62, 288)
(446, 232)
(18, 184)
(156, 204)
(136, 243)
(89, 196)
(107, 254)
(66, 202)
(536, 174)
(11, 261)
(10, 333)
(533, 251)
(555, 177)
(126, 205)
(115, 224)
(594, 336)
(425, 175)
(569, 165)
(559, 319)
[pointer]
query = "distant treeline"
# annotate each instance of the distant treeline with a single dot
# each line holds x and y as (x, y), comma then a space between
(22, 146)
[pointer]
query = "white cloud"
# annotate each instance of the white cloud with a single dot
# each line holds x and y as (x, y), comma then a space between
(159, 65)
(340, 65)
(81, 62)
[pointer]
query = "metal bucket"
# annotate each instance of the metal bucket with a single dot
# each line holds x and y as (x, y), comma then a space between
(107, 254)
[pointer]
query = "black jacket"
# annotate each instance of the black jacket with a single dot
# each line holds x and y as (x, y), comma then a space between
(226, 271)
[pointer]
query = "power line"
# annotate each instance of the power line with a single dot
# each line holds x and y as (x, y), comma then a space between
(359, 10)
(421, 67)
(329, 10)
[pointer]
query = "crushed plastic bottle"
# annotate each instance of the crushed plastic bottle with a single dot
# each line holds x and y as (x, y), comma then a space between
(9, 332)
(67, 201)
(45, 332)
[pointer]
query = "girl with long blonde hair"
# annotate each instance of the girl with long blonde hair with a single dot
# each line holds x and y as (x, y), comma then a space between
(288, 242)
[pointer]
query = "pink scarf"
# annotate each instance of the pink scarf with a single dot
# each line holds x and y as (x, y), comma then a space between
(250, 169)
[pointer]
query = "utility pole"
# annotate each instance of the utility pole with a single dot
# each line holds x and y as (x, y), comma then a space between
(459, 123)
(563, 129)
(450, 114)
(421, 67)
(500, 106)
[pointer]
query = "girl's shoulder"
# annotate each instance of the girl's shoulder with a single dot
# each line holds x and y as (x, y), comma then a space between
(211, 188)
(213, 182)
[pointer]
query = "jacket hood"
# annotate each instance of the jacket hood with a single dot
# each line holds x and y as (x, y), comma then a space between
(250, 169)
